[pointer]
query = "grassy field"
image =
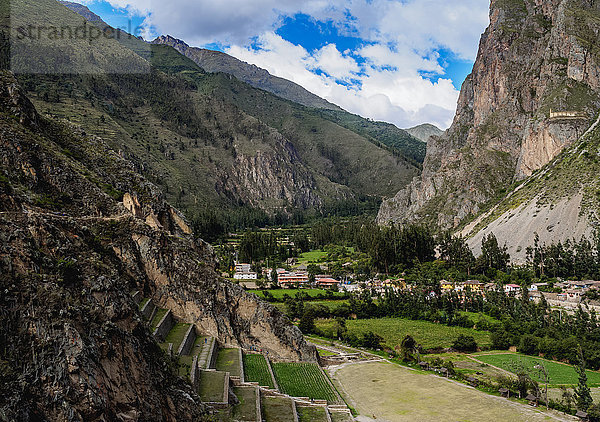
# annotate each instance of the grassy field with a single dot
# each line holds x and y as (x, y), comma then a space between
(393, 330)
(304, 380)
(256, 370)
(160, 313)
(246, 409)
(384, 391)
(279, 293)
(176, 335)
(212, 386)
(277, 409)
(559, 373)
(312, 256)
(228, 360)
(311, 414)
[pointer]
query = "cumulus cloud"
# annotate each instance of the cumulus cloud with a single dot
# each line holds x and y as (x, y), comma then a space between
(384, 78)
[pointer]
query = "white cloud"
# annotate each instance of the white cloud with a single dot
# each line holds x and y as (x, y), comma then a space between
(401, 37)
(400, 97)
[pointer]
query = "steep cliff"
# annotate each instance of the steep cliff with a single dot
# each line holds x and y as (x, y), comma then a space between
(79, 230)
(536, 58)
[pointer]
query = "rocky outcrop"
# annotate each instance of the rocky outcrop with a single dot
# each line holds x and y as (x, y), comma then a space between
(536, 56)
(80, 230)
(425, 131)
(218, 62)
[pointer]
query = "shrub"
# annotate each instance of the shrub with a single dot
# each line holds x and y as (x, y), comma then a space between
(465, 344)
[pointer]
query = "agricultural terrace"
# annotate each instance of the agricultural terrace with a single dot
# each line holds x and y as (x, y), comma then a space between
(256, 370)
(390, 392)
(393, 331)
(228, 360)
(559, 373)
(304, 380)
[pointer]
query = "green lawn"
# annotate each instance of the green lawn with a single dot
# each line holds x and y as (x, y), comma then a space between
(256, 370)
(212, 386)
(341, 417)
(559, 373)
(160, 313)
(246, 409)
(393, 330)
(277, 409)
(176, 335)
(143, 303)
(228, 360)
(304, 380)
(279, 293)
(312, 256)
(311, 414)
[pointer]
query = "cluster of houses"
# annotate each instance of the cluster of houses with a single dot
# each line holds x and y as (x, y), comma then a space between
(299, 278)
(564, 293)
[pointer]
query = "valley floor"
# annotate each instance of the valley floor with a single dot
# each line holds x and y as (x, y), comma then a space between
(385, 391)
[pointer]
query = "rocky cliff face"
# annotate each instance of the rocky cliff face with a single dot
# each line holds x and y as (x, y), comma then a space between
(536, 57)
(216, 61)
(79, 230)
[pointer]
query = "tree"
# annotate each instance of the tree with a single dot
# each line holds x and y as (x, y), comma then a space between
(583, 396)
(465, 344)
(307, 322)
(407, 348)
(492, 255)
(371, 341)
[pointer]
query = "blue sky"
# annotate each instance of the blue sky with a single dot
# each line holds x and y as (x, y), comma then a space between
(401, 61)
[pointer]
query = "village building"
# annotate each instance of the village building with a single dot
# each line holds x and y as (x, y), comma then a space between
(512, 289)
(326, 282)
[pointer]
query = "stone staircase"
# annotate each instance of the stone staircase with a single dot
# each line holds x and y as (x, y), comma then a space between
(217, 374)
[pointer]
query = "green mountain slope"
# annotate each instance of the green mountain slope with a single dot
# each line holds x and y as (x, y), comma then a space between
(382, 134)
(212, 142)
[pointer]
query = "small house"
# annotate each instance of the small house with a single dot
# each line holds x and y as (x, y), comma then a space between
(424, 366)
(583, 416)
(504, 392)
(533, 400)
(512, 289)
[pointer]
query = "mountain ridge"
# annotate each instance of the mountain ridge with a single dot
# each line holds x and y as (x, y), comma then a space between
(218, 62)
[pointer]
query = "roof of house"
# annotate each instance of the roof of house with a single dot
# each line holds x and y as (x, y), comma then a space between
(531, 397)
(581, 414)
(514, 286)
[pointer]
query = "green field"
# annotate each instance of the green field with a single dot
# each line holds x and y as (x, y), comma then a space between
(212, 386)
(176, 335)
(279, 293)
(277, 409)
(160, 313)
(312, 256)
(393, 330)
(559, 373)
(256, 370)
(311, 414)
(304, 380)
(245, 410)
(228, 360)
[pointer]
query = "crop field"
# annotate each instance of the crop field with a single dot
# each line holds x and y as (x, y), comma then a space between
(559, 373)
(384, 391)
(256, 370)
(393, 330)
(304, 380)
